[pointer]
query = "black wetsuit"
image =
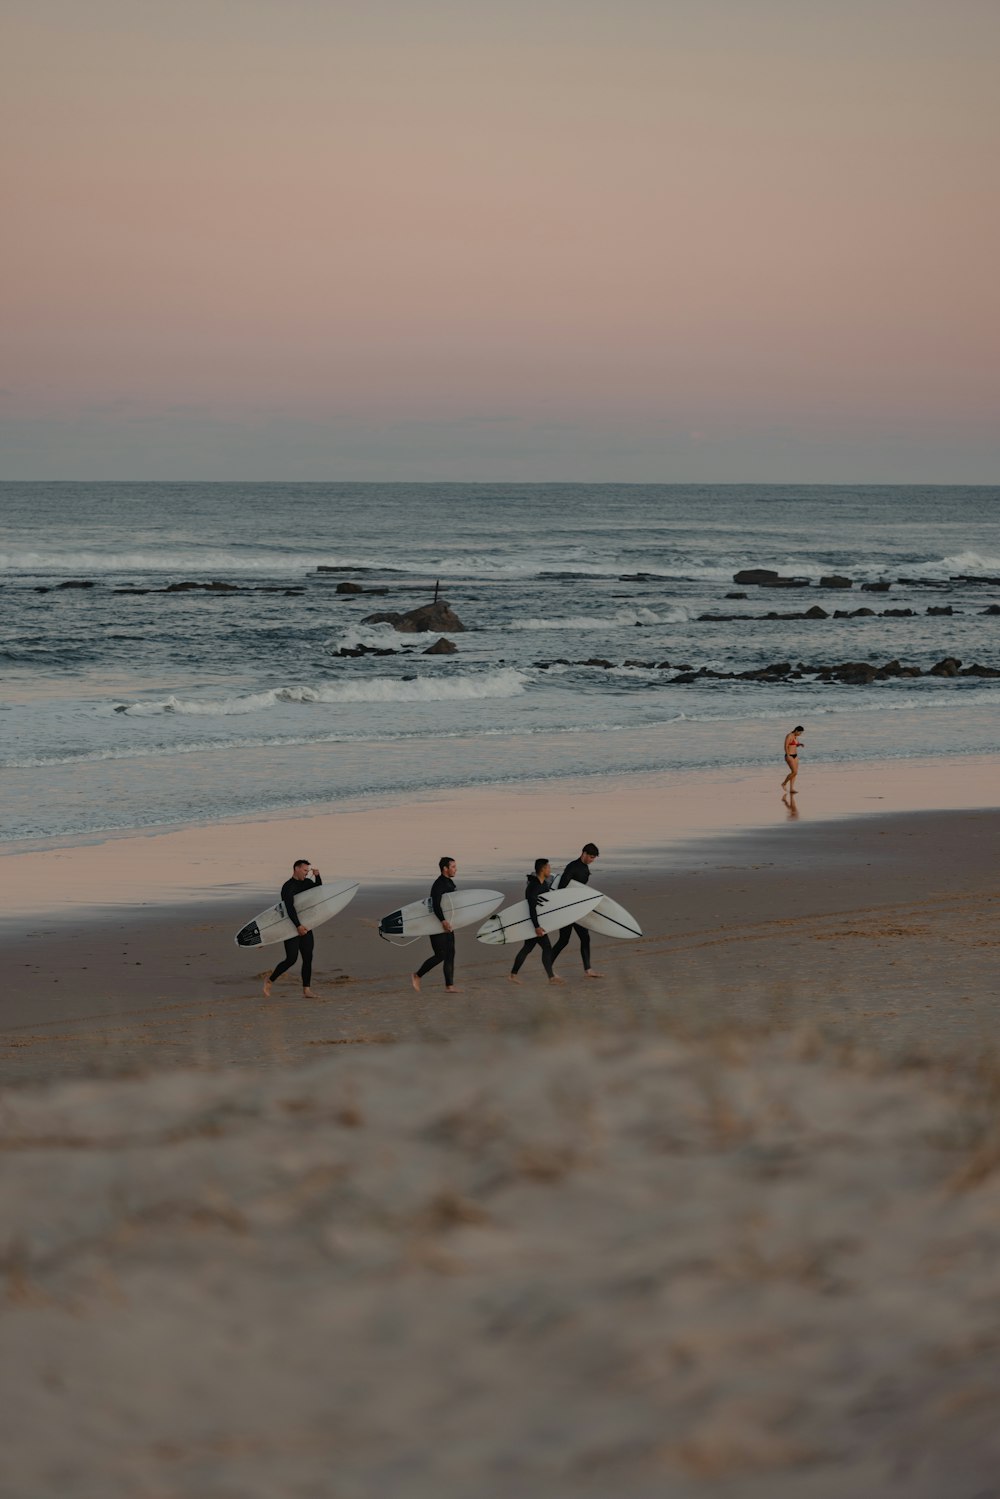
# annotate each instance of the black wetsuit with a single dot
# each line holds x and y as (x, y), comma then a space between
(534, 889)
(579, 871)
(295, 945)
(443, 943)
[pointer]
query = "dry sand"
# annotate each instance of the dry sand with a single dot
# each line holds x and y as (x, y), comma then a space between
(724, 1223)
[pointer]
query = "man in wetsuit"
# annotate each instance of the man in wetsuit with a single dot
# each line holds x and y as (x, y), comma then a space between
(538, 883)
(443, 942)
(304, 942)
(579, 870)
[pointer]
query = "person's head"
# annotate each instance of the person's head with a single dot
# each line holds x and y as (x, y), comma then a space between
(301, 868)
(798, 729)
(542, 868)
(447, 866)
(589, 853)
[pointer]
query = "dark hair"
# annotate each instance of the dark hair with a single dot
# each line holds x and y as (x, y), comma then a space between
(301, 861)
(445, 860)
(592, 850)
(540, 865)
(798, 729)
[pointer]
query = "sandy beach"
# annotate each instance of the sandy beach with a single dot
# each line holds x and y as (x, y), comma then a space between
(725, 1221)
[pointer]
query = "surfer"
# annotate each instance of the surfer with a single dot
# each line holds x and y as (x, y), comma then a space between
(792, 743)
(538, 883)
(443, 942)
(303, 878)
(579, 870)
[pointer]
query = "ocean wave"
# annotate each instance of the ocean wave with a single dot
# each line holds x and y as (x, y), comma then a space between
(502, 683)
(673, 615)
(376, 637)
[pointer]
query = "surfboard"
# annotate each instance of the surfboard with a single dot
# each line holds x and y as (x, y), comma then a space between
(314, 907)
(557, 908)
(461, 908)
(608, 917)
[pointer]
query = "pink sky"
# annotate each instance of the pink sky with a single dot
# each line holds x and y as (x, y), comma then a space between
(707, 239)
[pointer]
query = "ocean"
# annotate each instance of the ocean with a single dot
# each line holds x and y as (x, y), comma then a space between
(127, 703)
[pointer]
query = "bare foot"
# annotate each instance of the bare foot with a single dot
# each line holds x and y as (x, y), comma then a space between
(267, 988)
(591, 973)
(451, 989)
(308, 994)
(555, 979)
(514, 979)
(415, 981)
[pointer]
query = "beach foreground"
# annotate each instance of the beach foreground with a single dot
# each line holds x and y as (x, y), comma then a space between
(526, 1265)
(724, 1222)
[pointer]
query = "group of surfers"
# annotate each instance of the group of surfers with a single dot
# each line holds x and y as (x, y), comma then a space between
(305, 876)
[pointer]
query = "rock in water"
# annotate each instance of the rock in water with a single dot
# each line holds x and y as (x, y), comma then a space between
(438, 616)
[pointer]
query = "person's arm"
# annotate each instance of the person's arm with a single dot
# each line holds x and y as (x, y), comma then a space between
(288, 897)
(440, 887)
(532, 893)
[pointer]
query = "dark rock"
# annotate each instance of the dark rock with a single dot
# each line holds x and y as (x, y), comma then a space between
(875, 587)
(646, 665)
(214, 587)
(835, 581)
(862, 613)
(755, 575)
(40, 588)
(663, 665)
(786, 583)
(992, 609)
(686, 676)
(349, 588)
(968, 578)
(441, 647)
(596, 661)
(637, 578)
(367, 650)
(897, 614)
(438, 617)
(946, 668)
(815, 613)
(735, 595)
(77, 583)
(941, 609)
(134, 592)
(975, 670)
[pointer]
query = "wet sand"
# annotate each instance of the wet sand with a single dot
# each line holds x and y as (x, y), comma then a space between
(883, 928)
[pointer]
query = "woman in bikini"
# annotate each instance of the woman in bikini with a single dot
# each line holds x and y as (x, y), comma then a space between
(792, 742)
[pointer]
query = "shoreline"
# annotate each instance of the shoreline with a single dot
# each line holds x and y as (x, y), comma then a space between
(658, 820)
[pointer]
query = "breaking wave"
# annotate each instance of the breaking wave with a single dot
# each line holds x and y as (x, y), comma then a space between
(506, 682)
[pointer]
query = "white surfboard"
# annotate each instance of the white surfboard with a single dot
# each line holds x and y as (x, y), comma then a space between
(556, 908)
(461, 908)
(314, 907)
(608, 917)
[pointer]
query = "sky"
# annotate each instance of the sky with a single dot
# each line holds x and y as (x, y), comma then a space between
(637, 240)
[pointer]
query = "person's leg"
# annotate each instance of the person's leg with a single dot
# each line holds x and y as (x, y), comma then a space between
(562, 940)
(584, 936)
(436, 957)
(525, 950)
(546, 947)
(291, 953)
(307, 944)
(449, 960)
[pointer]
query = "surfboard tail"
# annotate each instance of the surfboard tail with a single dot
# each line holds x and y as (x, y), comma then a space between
(249, 936)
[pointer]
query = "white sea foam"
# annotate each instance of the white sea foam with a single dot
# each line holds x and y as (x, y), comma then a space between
(501, 683)
(673, 614)
(376, 637)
